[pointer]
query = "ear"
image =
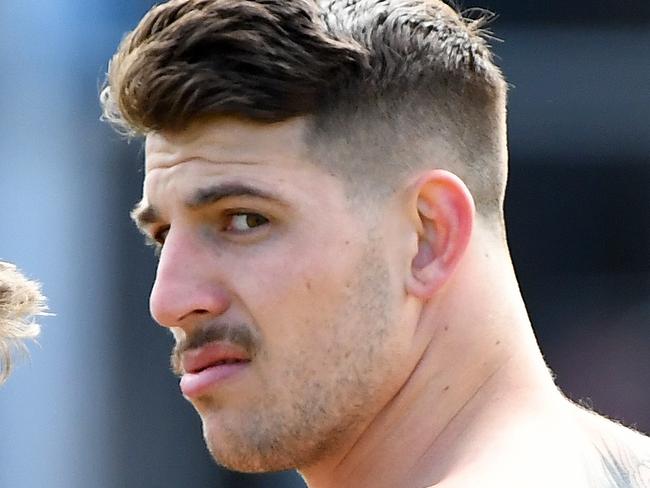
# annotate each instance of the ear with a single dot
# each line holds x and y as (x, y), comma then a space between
(444, 211)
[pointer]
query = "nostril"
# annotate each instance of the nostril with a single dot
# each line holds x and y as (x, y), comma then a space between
(195, 312)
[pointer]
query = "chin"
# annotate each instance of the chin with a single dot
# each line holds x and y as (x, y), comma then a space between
(248, 447)
(246, 458)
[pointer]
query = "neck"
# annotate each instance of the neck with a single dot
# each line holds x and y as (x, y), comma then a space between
(473, 374)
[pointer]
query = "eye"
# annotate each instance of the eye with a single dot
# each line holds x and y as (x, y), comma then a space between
(160, 235)
(245, 222)
(157, 240)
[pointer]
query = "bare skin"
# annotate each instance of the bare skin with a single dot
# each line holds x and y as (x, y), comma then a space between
(391, 345)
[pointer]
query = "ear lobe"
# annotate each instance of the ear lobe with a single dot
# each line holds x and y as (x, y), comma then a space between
(445, 211)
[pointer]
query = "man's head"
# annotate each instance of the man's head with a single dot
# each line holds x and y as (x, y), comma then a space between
(311, 176)
(20, 299)
(388, 85)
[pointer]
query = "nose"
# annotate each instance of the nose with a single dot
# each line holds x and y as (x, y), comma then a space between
(187, 286)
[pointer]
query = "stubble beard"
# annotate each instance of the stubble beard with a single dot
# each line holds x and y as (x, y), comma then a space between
(314, 414)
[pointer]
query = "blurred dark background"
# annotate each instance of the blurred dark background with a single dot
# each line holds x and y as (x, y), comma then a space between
(94, 406)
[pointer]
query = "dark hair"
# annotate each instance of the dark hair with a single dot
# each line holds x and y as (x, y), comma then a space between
(398, 64)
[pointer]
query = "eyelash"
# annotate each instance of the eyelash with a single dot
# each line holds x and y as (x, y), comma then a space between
(154, 242)
(238, 213)
(158, 235)
(157, 239)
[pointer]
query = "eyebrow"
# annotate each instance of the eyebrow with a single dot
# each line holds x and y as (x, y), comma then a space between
(143, 214)
(212, 194)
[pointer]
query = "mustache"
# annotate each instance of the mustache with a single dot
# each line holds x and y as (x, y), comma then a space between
(241, 335)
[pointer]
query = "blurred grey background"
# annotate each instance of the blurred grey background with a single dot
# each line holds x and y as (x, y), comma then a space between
(96, 406)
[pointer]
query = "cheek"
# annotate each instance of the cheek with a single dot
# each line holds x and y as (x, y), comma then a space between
(296, 306)
(286, 283)
(297, 299)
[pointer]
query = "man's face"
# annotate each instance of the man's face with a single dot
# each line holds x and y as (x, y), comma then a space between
(280, 292)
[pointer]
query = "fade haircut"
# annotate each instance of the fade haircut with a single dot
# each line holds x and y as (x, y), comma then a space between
(20, 300)
(387, 85)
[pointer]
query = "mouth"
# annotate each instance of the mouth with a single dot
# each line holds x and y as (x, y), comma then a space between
(211, 366)
(220, 362)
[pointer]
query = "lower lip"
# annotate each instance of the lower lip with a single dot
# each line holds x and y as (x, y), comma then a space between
(196, 384)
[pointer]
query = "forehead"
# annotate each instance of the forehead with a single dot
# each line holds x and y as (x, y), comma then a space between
(233, 157)
(229, 140)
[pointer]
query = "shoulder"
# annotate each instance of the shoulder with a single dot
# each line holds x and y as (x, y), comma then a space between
(622, 456)
(624, 467)
(564, 446)
(574, 448)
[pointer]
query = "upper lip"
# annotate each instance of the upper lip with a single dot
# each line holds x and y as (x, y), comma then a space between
(197, 360)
